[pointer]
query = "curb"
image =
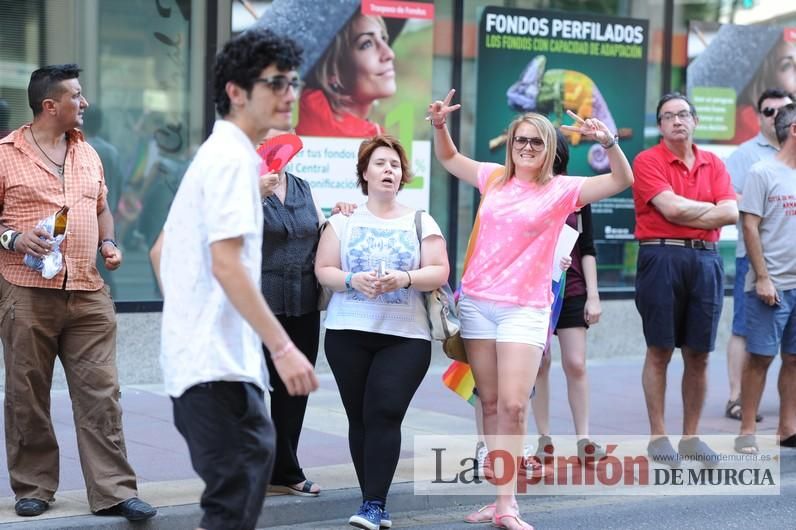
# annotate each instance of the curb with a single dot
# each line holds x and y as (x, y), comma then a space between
(285, 510)
(279, 510)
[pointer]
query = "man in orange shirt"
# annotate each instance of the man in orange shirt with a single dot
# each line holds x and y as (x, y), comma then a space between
(45, 165)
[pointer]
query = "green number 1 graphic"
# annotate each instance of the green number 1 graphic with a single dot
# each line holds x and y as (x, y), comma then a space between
(400, 119)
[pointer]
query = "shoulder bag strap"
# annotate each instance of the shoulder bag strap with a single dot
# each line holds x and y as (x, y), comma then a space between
(419, 226)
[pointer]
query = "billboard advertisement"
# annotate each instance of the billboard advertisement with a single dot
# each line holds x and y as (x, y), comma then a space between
(367, 69)
(551, 62)
(724, 80)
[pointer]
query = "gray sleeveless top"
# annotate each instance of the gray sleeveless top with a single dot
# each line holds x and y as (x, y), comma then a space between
(290, 239)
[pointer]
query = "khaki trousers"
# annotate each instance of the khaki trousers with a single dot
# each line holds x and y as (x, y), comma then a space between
(79, 327)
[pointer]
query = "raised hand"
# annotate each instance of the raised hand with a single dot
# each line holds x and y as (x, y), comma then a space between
(268, 183)
(438, 110)
(590, 128)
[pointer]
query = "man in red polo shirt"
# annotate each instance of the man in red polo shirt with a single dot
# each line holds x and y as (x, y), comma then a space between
(683, 196)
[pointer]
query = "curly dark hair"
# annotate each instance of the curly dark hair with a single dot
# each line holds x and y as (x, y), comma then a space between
(45, 83)
(244, 57)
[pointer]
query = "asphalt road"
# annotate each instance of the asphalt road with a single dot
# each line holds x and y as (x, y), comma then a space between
(748, 512)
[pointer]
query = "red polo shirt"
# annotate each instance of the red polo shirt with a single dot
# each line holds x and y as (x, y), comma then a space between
(656, 170)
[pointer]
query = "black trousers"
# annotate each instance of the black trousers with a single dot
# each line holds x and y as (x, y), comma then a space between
(287, 412)
(231, 442)
(377, 376)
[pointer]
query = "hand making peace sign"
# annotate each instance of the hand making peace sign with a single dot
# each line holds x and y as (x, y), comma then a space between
(590, 128)
(438, 111)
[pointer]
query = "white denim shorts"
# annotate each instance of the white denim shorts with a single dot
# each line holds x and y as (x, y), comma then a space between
(503, 322)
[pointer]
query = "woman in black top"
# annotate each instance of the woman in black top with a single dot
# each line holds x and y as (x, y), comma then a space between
(580, 310)
(290, 239)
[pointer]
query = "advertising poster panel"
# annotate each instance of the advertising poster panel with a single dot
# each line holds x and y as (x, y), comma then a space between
(725, 80)
(367, 70)
(550, 62)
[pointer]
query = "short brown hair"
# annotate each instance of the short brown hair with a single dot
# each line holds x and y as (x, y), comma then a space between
(366, 150)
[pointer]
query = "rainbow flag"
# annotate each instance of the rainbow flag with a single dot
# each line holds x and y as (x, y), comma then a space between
(459, 377)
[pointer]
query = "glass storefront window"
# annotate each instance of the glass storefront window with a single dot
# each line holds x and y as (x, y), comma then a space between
(143, 75)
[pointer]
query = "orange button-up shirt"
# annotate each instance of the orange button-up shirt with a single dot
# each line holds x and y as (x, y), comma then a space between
(30, 192)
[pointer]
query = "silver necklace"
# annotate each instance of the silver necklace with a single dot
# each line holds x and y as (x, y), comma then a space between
(59, 167)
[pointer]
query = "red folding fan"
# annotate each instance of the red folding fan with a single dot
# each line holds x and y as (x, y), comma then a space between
(277, 151)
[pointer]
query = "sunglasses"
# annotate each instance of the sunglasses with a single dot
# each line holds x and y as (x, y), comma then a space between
(280, 83)
(768, 112)
(520, 142)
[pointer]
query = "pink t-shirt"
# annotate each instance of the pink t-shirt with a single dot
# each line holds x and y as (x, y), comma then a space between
(520, 224)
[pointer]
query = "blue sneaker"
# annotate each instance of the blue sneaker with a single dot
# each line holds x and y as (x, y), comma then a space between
(386, 522)
(368, 516)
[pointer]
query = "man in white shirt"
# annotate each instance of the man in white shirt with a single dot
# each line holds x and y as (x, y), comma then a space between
(208, 264)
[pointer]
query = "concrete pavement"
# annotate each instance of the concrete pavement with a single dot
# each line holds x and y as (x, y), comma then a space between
(160, 458)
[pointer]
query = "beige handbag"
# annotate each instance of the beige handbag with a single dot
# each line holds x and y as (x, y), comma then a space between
(441, 310)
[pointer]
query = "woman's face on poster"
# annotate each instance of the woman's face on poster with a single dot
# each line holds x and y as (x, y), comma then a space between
(372, 71)
(786, 66)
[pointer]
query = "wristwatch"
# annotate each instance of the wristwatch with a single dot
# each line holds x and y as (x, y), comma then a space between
(7, 237)
(108, 240)
(613, 142)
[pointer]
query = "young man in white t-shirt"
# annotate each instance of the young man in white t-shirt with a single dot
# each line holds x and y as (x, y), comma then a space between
(208, 264)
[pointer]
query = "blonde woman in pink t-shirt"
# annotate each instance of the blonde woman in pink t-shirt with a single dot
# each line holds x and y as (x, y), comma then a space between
(506, 297)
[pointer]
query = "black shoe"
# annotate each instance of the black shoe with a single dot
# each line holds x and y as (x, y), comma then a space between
(133, 509)
(30, 507)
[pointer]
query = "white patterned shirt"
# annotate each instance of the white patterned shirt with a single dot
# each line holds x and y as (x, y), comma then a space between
(365, 241)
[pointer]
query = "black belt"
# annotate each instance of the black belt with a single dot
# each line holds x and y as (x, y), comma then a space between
(687, 243)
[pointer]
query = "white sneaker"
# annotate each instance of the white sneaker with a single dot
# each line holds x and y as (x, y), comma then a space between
(480, 456)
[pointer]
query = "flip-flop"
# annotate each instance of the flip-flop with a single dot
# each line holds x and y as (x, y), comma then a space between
(304, 491)
(497, 521)
(790, 441)
(746, 444)
(482, 515)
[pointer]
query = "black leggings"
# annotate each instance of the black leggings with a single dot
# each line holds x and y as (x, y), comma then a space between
(287, 412)
(377, 376)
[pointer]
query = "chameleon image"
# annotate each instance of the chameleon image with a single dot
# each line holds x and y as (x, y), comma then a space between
(552, 93)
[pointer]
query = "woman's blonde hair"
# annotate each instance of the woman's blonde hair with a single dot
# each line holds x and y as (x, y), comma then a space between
(546, 132)
(335, 64)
